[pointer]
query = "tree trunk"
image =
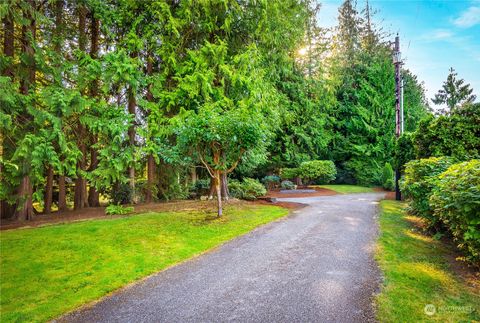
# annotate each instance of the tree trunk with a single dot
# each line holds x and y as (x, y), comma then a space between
(62, 194)
(193, 175)
(213, 186)
(219, 192)
(93, 195)
(48, 191)
(24, 209)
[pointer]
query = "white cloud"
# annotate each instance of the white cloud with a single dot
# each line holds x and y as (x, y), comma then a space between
(468, 18)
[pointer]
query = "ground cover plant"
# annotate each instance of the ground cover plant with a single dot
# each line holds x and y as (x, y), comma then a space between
(90, 259)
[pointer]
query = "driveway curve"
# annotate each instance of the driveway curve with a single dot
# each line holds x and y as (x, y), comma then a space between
(315, 265)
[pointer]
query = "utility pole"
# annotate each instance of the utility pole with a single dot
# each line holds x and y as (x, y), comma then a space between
(397, 61)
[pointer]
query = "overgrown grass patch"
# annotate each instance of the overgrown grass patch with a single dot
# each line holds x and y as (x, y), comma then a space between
(417, 273)
(347, 189)
(50, 270)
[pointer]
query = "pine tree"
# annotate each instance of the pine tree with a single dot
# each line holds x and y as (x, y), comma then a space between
(454, 93)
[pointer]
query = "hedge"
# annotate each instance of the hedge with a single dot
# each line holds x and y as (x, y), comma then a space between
(417, 186)
(456, 202)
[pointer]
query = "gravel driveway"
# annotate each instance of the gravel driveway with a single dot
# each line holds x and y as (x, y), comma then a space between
(313, 266)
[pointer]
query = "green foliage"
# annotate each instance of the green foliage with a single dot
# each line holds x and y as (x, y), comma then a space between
(113, 209)
(121, 193)
(456, 134)
(456, 202)
(288, 185)
(420, 179)
(404, 150)
(388, 181)
(318, 171)
(248, 189)
(289, 173)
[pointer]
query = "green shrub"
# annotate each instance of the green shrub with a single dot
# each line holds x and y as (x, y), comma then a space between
(320, 171)
(118, 209)
(248, 189)
(420, 177)
(288, 185)
(121, 193)
(289, 173)
(456, 202)
(388, 181)
(271, 181)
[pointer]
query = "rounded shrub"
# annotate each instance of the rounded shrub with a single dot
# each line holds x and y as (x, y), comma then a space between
(456, 202)
(319, 171)
(419, 181)
(288, 185)
(248, 189)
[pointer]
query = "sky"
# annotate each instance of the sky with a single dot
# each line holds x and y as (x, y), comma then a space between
(434, 36)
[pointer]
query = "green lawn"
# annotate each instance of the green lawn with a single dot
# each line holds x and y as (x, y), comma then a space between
(416, 272)
(50, 270)
(347, 189)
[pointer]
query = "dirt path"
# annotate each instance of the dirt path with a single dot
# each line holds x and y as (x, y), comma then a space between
(314, 266)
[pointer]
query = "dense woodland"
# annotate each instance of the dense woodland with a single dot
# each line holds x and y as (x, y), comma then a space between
(140, 99)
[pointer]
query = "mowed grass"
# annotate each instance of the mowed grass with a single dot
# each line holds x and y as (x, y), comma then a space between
(416, 273)
(48, 271)
(347, 189)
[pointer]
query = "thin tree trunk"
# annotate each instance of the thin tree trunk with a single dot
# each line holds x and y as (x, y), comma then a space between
(62, 194)
(93, 195)
(219, 193)
(48, 191)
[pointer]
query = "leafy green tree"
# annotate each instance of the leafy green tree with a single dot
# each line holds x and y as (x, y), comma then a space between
(228, 108)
